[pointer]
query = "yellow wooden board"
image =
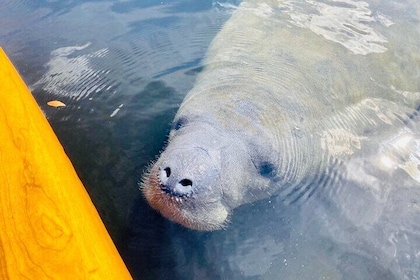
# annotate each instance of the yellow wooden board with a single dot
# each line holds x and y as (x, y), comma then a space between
(49, 228)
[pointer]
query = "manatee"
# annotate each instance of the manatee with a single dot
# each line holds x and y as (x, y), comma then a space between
(290, 90)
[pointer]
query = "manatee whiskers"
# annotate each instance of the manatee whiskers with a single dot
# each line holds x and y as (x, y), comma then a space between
(178, 207)
(158, 199)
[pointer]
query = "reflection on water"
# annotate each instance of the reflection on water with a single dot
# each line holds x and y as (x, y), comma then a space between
(123, 67)
(74, 77)
(344, 22)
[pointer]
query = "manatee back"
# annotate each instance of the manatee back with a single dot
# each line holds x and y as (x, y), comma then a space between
(311, 80)
(314, 57)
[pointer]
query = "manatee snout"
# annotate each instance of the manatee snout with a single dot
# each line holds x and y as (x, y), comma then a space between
(184, 186)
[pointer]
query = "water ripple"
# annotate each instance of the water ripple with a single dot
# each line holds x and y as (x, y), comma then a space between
(349, 23)
(73, 75)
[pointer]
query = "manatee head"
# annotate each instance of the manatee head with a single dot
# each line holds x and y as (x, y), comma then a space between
(197, 179)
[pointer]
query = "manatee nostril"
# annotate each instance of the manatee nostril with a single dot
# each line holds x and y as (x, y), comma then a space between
(167, 171)
(164, 174)
(186, 182)
(181, 189)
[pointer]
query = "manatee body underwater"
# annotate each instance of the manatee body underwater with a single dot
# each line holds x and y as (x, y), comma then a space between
(289, 94)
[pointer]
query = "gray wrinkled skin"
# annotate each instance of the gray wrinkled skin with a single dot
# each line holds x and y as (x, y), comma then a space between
(288, 93)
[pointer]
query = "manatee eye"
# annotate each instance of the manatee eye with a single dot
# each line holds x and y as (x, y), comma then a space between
(267, 169)
(164, 175)
(179, 123)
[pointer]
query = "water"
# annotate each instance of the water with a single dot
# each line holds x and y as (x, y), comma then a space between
(123, 68)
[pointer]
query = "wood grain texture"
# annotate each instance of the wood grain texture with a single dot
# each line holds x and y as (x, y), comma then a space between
(49, 228)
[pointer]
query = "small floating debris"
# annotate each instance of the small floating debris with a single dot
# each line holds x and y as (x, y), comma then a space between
(56, 103)
(116, 111)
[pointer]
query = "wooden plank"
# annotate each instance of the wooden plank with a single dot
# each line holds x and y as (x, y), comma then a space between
(49, 228)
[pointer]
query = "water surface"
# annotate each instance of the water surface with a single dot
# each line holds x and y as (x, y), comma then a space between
(123, 68)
